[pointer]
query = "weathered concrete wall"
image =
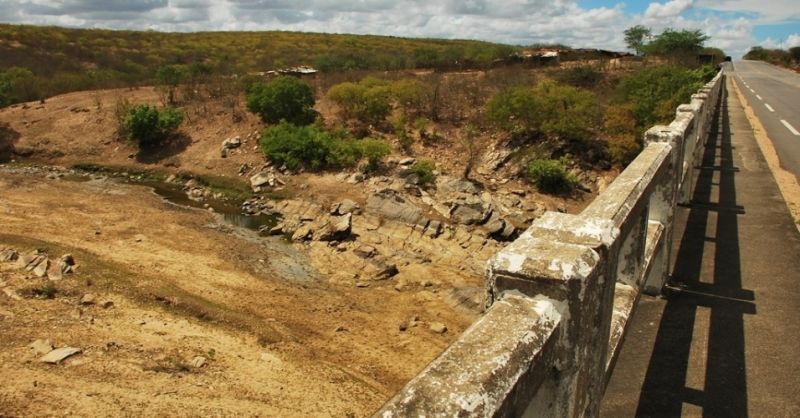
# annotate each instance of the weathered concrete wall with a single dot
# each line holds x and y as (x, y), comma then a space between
(560, 296)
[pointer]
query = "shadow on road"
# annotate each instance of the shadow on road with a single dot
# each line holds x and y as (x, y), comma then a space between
(719, 293)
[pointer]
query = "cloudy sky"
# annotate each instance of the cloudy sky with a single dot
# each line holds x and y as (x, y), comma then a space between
(734, 25)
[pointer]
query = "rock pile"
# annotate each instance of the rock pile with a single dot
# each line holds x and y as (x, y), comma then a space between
(39, 264)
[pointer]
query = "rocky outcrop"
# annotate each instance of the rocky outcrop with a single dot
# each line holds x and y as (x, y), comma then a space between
(391, 205)
(39, 264)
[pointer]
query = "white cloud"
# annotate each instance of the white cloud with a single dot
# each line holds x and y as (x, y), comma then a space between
(791, 41)
(763, 11)
(669, 9)
(512, 21)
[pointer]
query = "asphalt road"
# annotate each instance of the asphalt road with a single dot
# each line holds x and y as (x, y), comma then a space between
(774, 95)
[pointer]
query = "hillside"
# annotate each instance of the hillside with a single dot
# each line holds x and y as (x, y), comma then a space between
(63, 60)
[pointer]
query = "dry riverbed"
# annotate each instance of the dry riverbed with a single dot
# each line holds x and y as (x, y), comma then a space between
(187, 316)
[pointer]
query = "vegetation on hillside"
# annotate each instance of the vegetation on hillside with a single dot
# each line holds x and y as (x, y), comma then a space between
(555, 120)
(61, 60)
(782, 57)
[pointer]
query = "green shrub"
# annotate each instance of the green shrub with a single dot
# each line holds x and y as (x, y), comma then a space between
(284, 98)
(148, 126)
(374, 150)
(369, 100)
(424, 170)
(513, 110)
(296, 146)
(620, 126)
(656, 92)
(550, 176)
(566, 111)
(313, 148)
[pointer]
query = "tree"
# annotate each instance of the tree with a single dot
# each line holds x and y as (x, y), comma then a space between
(169, 77)
(284, 98)
(552, 109)
(148, 126)
(635, 37)
(369, 100)
(679, 46)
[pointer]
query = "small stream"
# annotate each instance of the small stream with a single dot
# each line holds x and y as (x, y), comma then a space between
(231, 213)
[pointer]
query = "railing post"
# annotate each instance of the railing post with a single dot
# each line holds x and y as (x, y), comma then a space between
(663, 202)
(566, 258)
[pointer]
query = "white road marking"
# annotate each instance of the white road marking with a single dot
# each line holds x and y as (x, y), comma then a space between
(752, 91)
(769, 107)
(790, 128)
(759, 97)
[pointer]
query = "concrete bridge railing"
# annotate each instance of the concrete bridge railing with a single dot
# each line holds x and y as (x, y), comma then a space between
(560, 296)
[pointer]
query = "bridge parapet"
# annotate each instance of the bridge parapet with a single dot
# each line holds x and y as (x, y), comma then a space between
(559, 297)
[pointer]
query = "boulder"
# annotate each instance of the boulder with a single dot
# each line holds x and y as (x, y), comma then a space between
(232, 143)
(346, 206)
(262, 179)
(303, 233)
(384, 271)
(438, 327)
(9, 255)
(66, 264)
(198, 362)
(407, 161)
(468, 213)
(365, 251)
(41, 269)
(30, 262)
(495, 224)
(446, 184)
(336, 229)
(88, 299)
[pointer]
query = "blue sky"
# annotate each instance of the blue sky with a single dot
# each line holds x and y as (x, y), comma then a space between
(734, 25)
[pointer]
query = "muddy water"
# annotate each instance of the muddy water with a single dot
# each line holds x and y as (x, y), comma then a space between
(231, 213)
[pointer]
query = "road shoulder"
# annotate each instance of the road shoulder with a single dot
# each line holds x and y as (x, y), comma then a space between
(787, 182)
